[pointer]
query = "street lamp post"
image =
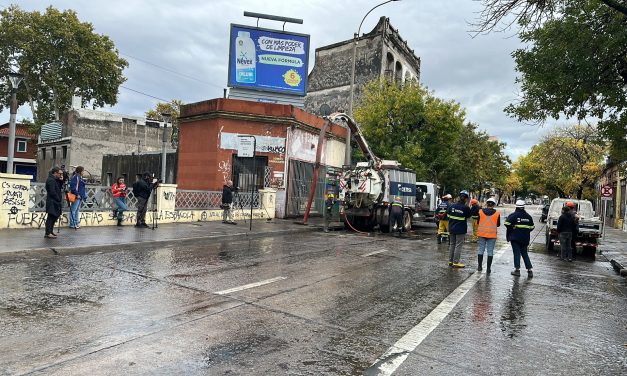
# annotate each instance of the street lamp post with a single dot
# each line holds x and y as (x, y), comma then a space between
(15, 79)
(347, 156)
(166, 118)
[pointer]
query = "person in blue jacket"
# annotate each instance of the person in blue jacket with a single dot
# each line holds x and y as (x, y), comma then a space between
(77, 187)
(457, 215)
(519, 225)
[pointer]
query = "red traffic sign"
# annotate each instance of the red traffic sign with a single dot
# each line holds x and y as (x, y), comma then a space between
(606, 191)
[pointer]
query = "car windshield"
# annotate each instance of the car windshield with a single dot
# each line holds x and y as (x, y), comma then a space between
(583, 208)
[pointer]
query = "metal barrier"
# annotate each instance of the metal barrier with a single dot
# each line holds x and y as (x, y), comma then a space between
(99, 198)
(190, 199)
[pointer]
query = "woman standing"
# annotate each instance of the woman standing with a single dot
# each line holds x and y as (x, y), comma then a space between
(77, 187)
(119, 191)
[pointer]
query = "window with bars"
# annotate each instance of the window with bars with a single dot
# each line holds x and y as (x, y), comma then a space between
(248, 170)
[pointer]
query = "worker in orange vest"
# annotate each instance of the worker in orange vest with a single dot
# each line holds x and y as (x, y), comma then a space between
(474, 214)
(487, 228)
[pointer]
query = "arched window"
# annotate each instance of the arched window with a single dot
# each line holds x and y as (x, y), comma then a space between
(398, 72)
(389, 67)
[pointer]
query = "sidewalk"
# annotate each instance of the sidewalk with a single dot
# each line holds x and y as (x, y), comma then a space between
(614, 245)
(15, 242)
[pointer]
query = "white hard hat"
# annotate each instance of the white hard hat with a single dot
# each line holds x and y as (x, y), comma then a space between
(491, 200)
(520, 203)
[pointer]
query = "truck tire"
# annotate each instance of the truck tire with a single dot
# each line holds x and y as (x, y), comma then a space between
(407, 221)
(590, 250)
(549, 243)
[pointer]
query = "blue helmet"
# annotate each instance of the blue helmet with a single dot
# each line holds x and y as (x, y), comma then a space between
(464, 193)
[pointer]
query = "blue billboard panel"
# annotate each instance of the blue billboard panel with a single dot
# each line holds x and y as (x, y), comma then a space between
(268, 60)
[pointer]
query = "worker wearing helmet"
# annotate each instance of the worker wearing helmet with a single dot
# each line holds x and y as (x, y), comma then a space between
(457, 214)
(328, 213)
(519, 226)
(440, 216)
(474, 214)
(396, 215)
(576, 217)
(487, 230)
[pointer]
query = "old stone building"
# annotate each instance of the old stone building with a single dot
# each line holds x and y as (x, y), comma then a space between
(381, 53)
(86, 135)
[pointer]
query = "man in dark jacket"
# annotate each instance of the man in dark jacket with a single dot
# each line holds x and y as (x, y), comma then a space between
(141, 191)
(519, 225)
(227, 202)
(54, 198)
(566, 226)
(457, 215)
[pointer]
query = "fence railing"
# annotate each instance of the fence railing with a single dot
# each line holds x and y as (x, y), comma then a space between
(100, 198)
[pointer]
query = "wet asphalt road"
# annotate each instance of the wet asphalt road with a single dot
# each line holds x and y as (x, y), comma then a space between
(323, 304)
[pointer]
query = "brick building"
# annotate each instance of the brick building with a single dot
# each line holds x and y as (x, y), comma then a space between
(25, 150)
(86, 135)
(287, 141)
(381, 53)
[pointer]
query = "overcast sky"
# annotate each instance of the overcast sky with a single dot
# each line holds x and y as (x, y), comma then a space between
(191, 38)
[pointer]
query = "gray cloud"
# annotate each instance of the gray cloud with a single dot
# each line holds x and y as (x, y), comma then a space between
(191, 37)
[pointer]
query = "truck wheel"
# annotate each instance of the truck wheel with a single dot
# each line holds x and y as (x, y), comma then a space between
(590, 250)
(549, 243)
(406, 221)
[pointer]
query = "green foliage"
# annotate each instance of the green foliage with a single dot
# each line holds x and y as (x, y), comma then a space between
(59, 57)
(568, 162)
(576, 65)
(429, 135)
(174, 109)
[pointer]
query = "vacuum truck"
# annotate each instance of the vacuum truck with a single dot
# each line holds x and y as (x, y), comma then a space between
(367, 190)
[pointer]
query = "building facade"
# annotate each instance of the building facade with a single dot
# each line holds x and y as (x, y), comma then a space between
(84, 136)
(381, 53)
(25, 150)
(286, 145)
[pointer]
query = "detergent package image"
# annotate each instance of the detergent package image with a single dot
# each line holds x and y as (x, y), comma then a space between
(245, 58)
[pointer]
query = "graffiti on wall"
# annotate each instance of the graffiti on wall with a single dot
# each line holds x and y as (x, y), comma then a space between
(14, 195)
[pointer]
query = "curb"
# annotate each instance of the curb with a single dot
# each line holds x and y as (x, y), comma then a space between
(65, 251)
(618, 268)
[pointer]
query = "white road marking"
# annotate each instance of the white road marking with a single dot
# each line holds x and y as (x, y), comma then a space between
(375, 252)
(396, 355)
(250, 285)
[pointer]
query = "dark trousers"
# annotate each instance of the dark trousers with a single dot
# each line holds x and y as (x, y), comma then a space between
(142, 206)
(50, 221)
(566, 251)
(396, 218)
(520, 249)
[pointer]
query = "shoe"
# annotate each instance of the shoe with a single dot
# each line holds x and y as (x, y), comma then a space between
(529, 274)
(138, 225)
(145, 225)
(570, 260)
(450, 263)
(516, 273)
(50, 236)
(459, 265)
(77, 227)
(225, 222)
(232, 223)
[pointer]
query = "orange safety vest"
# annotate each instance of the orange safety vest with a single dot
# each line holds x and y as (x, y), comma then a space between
(487, 225)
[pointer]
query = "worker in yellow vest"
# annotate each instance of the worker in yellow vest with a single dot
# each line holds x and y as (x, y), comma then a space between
(474, 215)
(487, 228)
(442, 218)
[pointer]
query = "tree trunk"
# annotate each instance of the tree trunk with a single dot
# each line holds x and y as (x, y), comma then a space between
(30, 101)
(579, 192)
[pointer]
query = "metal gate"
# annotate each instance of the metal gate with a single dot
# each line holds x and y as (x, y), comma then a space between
(300, 176)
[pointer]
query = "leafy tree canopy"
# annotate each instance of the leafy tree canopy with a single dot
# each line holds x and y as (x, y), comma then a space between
(429, 135)
(59, 56)
(173, 108)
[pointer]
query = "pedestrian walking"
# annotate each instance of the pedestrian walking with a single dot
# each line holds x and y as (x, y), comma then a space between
(227, 203)
(54, 200)
(441, 217)
(119, 191)
(141, 191)
(458, 214)
(474, 215)
(519, 225)
(77, 188)
(565, 228)
(396, 215)
(487, 229)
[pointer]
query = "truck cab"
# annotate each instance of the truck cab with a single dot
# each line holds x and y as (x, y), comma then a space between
(426, 201)
(590, 227)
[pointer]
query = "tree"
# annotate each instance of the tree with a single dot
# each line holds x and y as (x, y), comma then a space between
(575, 64)
(429, 135)
(567, 162)
(174, 109)
(59, 57)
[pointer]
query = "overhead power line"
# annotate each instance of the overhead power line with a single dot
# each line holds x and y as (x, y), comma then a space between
(172, 71)
(148, 95)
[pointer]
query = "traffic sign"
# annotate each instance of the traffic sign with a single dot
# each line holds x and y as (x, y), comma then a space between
(606, 191)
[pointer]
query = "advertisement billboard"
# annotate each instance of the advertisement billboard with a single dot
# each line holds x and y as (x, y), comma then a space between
(268, 60)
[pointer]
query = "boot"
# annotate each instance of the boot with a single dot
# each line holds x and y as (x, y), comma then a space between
(119, 221)
(479, 263)
(439, 239)
(489, 264)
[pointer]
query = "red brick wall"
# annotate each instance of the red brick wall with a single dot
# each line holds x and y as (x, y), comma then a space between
(31, 148)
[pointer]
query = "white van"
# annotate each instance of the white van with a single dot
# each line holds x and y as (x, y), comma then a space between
(426, 200)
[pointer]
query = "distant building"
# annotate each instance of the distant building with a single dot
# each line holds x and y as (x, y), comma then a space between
(129, 165)
(381, 53)
(86, 135)
(25, 150)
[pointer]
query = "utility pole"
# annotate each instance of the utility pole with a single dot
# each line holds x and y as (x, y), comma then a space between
(166, 120)
(15, 79)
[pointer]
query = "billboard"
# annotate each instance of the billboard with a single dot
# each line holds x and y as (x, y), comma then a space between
(268, 60)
